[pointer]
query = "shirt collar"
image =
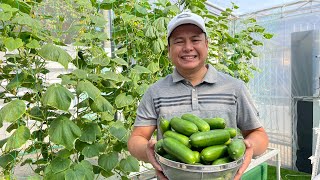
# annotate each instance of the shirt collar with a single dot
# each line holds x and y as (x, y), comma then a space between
(210, 77)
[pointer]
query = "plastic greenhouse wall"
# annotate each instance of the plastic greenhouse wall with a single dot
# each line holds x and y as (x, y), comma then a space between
(271, 88)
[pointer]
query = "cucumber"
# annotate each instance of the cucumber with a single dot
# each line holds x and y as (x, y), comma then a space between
(201, 124)
(164, 125)
(222, 160)
(168, 156)
(158, 147)
(216, 123)
(212, 153)
(232, 131)
(228, 142)
(197, 155)
(180, 137)
(183, 126)
(236, 149)
(179, 150)
(209, 138)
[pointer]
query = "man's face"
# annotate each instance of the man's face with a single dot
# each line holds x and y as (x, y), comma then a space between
(188, 48)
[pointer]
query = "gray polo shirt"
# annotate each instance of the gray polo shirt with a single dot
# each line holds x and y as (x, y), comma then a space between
(218, 95)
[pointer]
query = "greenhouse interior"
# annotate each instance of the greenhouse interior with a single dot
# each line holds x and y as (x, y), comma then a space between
(74, 73)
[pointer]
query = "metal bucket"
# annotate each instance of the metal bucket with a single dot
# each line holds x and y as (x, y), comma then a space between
(181, 171)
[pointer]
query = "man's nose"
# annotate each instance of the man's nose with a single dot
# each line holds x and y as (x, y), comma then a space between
(188, 46)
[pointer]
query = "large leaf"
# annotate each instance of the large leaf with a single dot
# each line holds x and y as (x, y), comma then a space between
(27, 20)
(90, 132)
(108, 161)
(141, 69)
(86, 86)
(90, 151)
(51, 52)
(57, 96)
(130, 164)
(18, 138)
(83, 171)
(6, 159)
(59, 164)
(63, 131)
(118, 130)
(100, 104)
(123, 100)
(12, 111)
(120, 61)
(12, 44)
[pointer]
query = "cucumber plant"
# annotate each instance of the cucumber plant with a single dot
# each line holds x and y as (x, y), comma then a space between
(58, 128)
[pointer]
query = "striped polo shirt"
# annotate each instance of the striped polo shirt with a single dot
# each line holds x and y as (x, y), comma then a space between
(218, 95)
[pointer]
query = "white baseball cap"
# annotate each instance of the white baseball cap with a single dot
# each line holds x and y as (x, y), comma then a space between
(186, 18)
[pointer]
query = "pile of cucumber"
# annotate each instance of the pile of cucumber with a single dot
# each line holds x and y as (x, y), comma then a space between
(193, 140)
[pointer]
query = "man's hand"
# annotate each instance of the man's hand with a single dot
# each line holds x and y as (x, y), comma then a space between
(247, 159)
(153, 161)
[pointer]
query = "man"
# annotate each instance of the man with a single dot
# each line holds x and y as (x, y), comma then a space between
(198, 88)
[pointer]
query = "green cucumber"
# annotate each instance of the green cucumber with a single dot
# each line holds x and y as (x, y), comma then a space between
(197, 155)
(201, 124)
(164, 125)
(158, 147)
(232, 131)
(168, 156)
(180, 137)
(216, 123)
(222, 160)
(212, 153)
(179, 150)
(236, 149)
(209, 138)
(183, 126)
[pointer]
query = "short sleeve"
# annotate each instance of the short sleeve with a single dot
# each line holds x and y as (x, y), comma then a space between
(146, 114)
(247, 113)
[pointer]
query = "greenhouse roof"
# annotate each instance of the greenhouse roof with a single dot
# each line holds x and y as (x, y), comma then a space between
(251, 6)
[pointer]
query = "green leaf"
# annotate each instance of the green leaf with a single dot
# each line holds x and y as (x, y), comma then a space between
(121, 51)
(140, 9)
(108, 161)
(100, 104)
(118, 130)
(123, 100)
(12, 111)
(130, 164)
(33, 44)
(6, 159)
(110, 75)
(57, 96)
(18, 138)
(25, 19)
(83, 171)
(153, 67)
(120, 61)
(86, 86)
(5, 16)
(90, 151)
(141, 69)
(105, 116)
(12, 44)
(81, 74)
(63, 131)
(3, 141)
(51, 52)
(268, 35)
(142, 89)
(257, 43)
(90, 132)
(59, 164)
(103, 61)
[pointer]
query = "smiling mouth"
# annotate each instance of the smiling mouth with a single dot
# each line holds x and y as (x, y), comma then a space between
(188, 57)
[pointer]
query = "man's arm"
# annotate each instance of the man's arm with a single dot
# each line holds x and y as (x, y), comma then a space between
(138, 141)
(256, 141)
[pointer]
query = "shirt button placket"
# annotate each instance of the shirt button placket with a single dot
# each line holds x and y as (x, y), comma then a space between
(195, 104)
